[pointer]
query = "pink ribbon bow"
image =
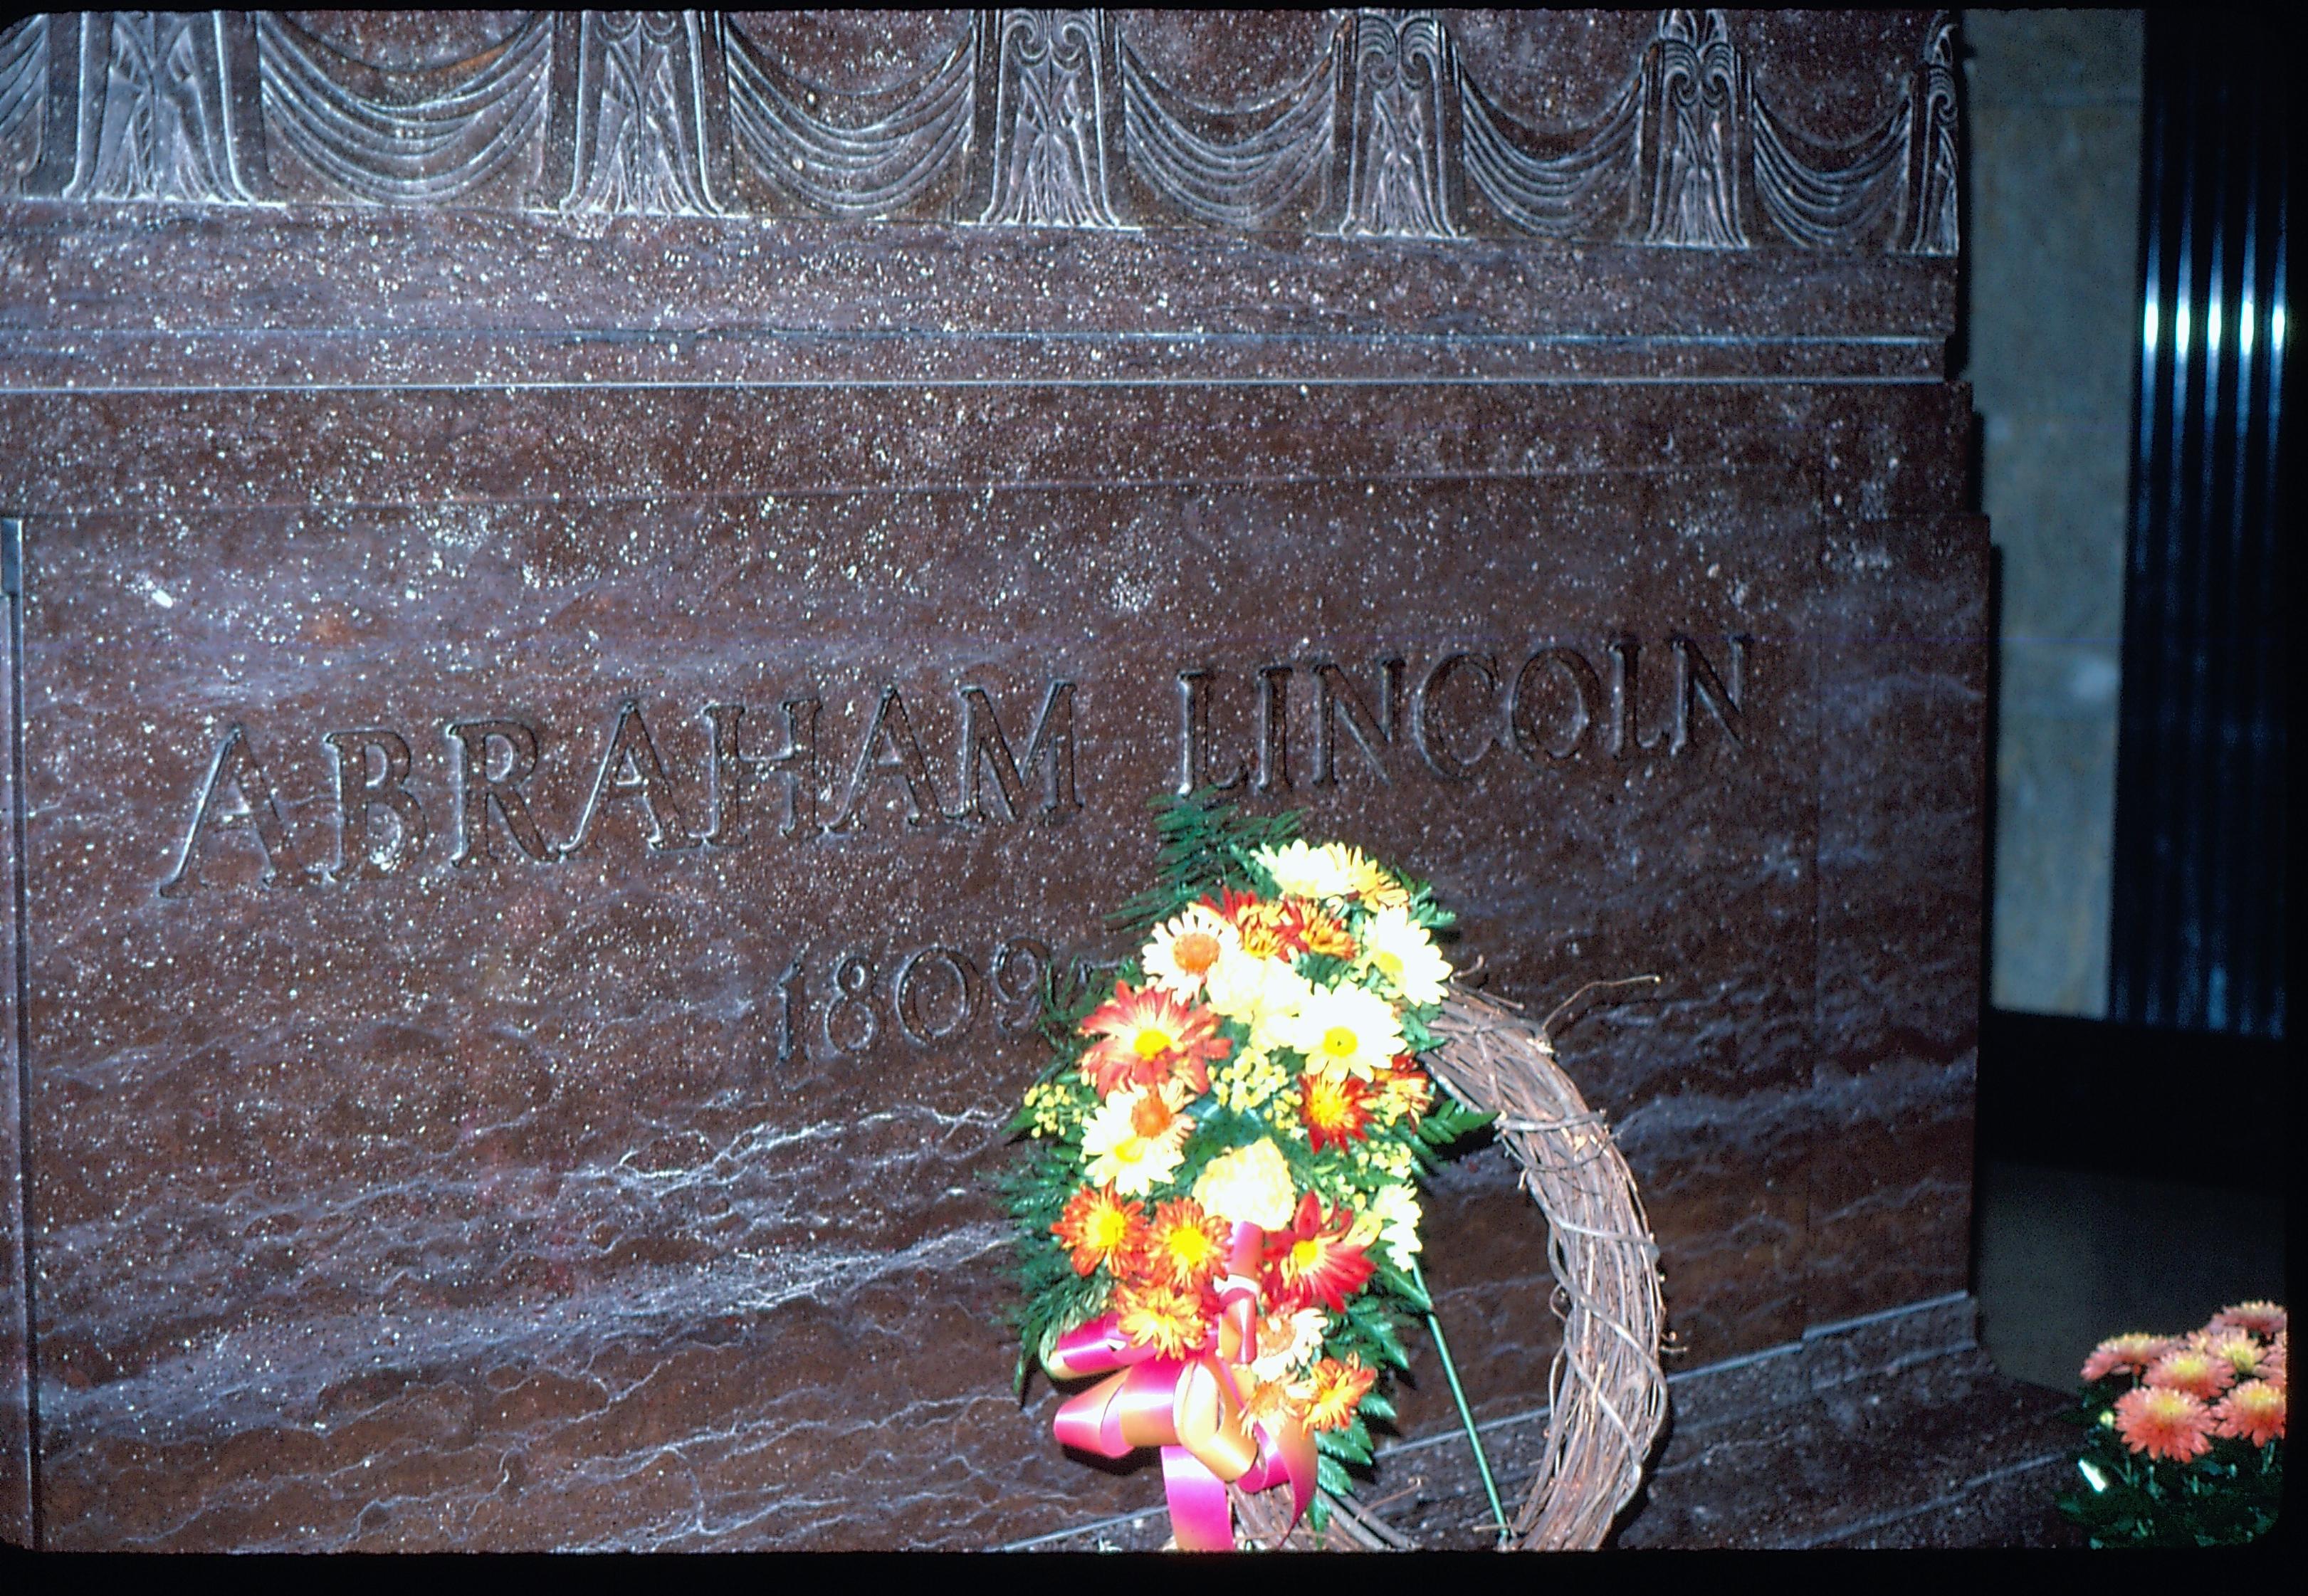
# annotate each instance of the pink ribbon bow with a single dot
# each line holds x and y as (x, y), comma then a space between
(1192, 1407)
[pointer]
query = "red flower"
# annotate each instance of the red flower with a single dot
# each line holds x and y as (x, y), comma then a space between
(1145, 1036)
(1336, 1107)
(1314, 1261)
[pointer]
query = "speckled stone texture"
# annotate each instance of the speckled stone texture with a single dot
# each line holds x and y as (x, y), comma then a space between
(561, 740)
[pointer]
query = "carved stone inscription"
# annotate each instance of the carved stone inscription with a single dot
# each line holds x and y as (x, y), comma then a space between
(1554, 706)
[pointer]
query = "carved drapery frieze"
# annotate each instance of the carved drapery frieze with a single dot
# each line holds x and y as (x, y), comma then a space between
(864, 154)
(639, 136)
(1250, 170)
(1573, 188)
(434, 137)
(1049, 129)
(155, 109)
(1031, 118)
(23, 72)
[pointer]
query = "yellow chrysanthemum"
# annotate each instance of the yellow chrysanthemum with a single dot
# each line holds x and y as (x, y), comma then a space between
(1249, 1185)
(1168, 1321)
(1346, 1030)
(1136, 1140)
(1302, 870)
(1404, 955)
(1185, 949)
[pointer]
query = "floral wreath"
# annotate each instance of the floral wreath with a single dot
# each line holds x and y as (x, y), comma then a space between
(1218, 1201)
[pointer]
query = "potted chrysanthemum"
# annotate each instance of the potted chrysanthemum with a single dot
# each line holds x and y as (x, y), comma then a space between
(2184, 1434)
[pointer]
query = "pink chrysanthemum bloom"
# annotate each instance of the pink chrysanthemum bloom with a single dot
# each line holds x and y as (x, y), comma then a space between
(2272, 1367)
(2234, 1348)
(2163, 1423)
(2125, 1354)
(2260, 1318)
(2199, 1373)
(2253, 1411)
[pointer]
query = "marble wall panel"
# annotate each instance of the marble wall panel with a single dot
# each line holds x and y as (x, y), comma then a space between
(1902, 664)
(345, 1174)
(628, 1191)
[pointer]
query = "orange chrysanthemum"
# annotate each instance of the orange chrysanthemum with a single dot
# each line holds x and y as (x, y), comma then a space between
(2125, 1354)
(1186, 1248)
(1336, 1107)
(1145, 1036)
(1245, 912)
(1268, 931)
(2185, 1368)
(1171, 1322)
(1099, 1227)
(2253, 1411)
(1231, 903)
(2163, 1423)
(1283, 929)
(1324, 934)
(1272, 1402)
(1335, 1390)
(1314, 1261)
(2260, 1318)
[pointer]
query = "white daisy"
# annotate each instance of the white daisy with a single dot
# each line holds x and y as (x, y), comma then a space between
(1182, 951)
(1404, 954)
(1136, 1139)
(1303, 871)
(1345, 1028)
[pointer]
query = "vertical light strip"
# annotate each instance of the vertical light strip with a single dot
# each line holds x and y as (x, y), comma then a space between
(12, 594)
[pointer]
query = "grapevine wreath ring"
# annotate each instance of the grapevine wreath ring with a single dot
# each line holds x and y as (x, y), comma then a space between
(1606, 1391)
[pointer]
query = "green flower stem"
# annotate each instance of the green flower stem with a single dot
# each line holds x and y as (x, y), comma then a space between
(1459, 1395)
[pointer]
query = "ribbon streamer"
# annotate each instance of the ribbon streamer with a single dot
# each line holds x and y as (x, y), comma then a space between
(1192, 1407)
